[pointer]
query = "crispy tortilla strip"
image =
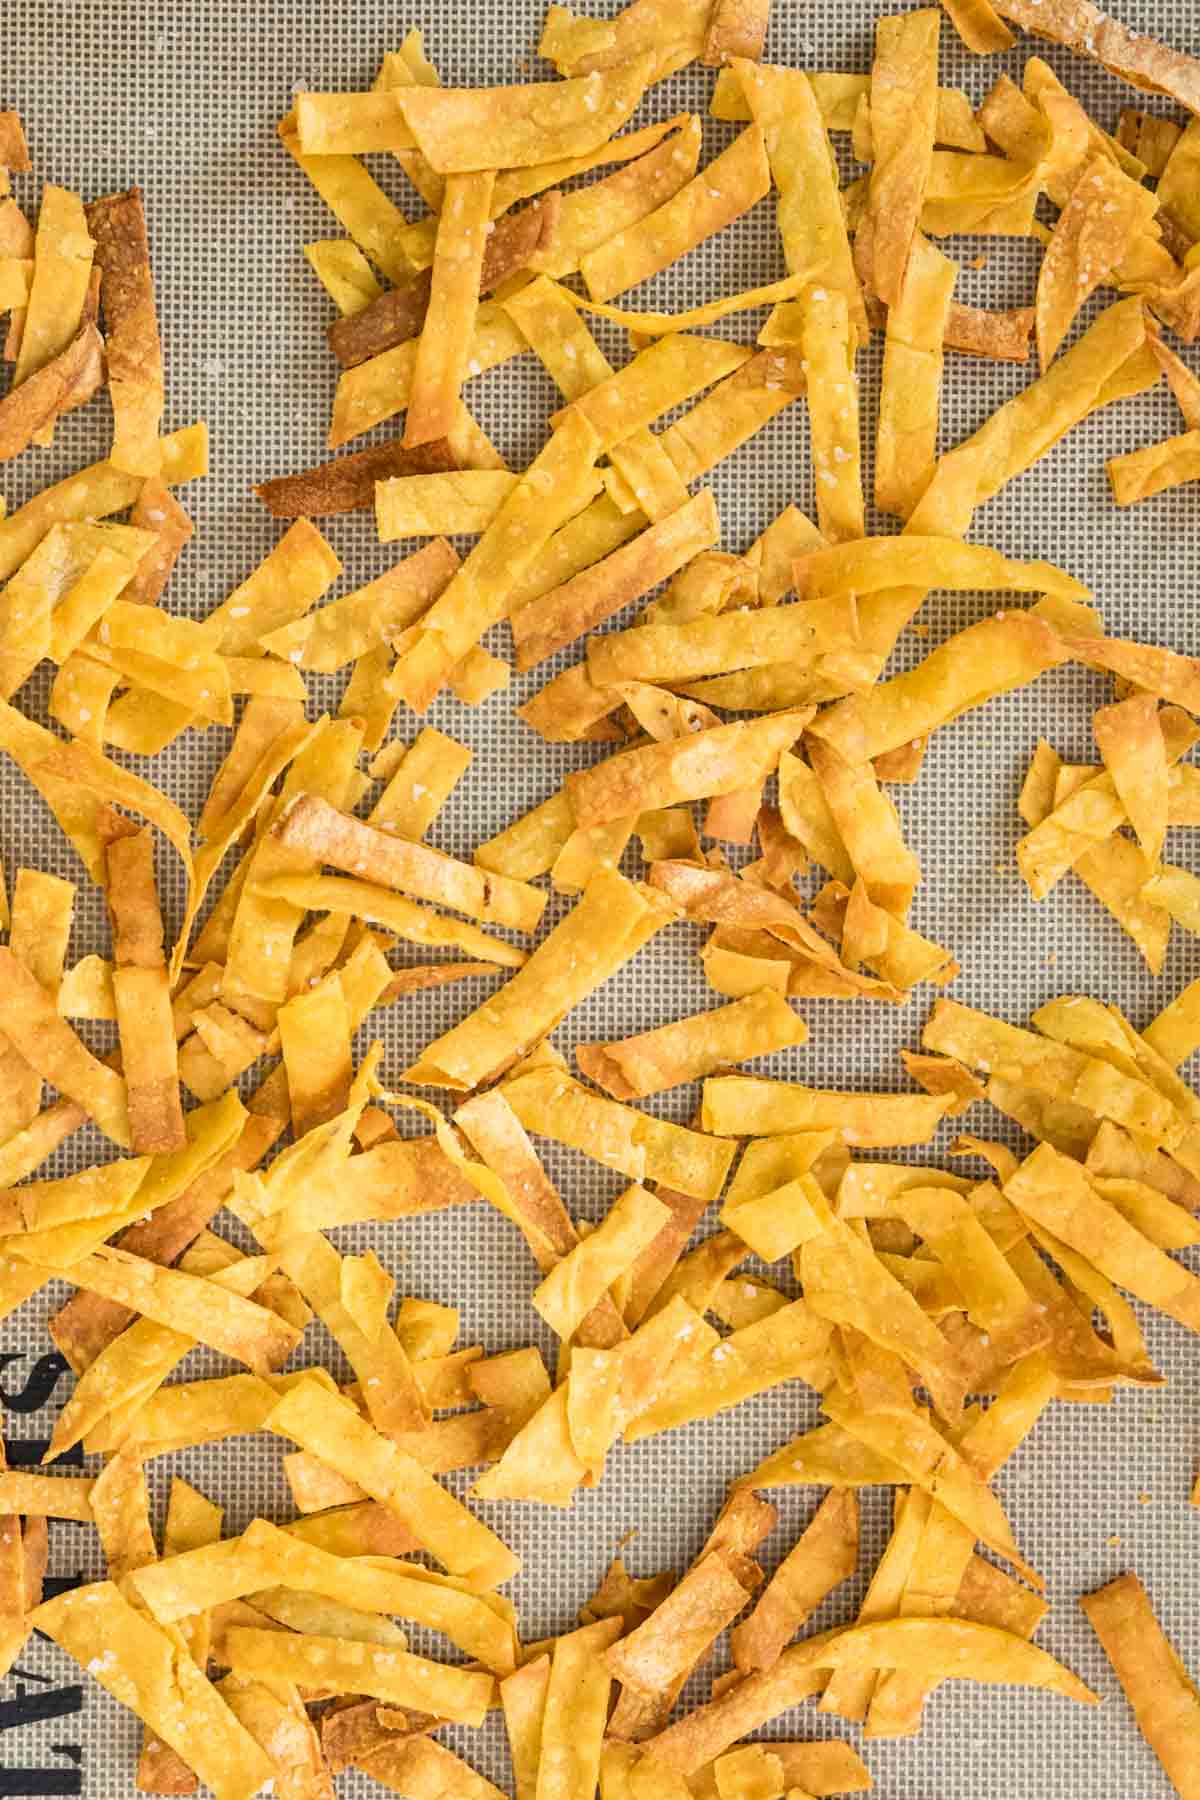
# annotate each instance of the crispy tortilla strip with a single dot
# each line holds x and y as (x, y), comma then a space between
(314, 826)
(351, 124)
(443, 347)
(344, 272)
(523, 1698)
(666, 373)
(1141, 61)
(49, 1046)
(825, 1554)
(799, 635)
(749, 1106)
(574, 1711)
(828, 346)
(577, 1281)
(275, 1718)
(610, 923)
(62, 269)
(141, 992)
(358, 203)
(46, 1496)
(588, 217)
(387, 1674)
(1177, 176)
(993, 1296)
(553, 488)
(999, 336)
(680, 1632)
(157, 510)
(358, 622)
(1140, 474)
(868, 825)
(770, 1202)
(148, 1670)
(850, 1690)
(1105, 211)
(906, 440)
(728, 187)
(551, 1104)
(791, 1344)
(934, 1648)
(697, 1739)
(722, 760)
(540, 1461)
(14, 152)
(558, 617)
(132, 346)
(379, 388)
(457, 503)
(971, 667)
(691, 1048)
(1131, 743)
(421, 1767)
(67, 380)
(1163, 672)
(737, 28)
(874, 563)
(1174, 1033)
(979, 26)
(427, 774)
(325, 1426)
(1054, 1193)
(1165, 1701)
(377, 906)
(903, 114)
(674, 30)
(347, 483)
(16, 272)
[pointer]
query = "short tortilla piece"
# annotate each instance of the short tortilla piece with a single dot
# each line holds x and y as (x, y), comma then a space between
(691, 1048)
(344, 272)
(132, 344)
(1140, 474)
(469, 129)
(979, 26)
(1131, 743)
(157, 510)
(48, 1044)
(141, 991)
(580, 1278)
(1141, 61)
(457, 504)
(68, 380)
(906, 441)
(728, 187)
(1165, 1701)
(718, 761)
(62, 269)
(825, 1554)
(588, 217)
(790, 1344)
(347, 483)
(827, 342)
(999, 336)
(737, 28)
(680, 1631)
(388, 1674)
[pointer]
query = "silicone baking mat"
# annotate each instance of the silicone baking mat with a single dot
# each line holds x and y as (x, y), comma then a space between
(183, 99)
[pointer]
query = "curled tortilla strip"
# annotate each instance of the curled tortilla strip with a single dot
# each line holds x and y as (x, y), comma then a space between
(749, 1106)
(66, 381)
(979, 26)
(459, 130)
(347, 483)
(1165, 1702)
(1141, 61)
(692, 1047)
(554, 620)
(1140, 474)
(50, 1047)
(132, 345)
(872, 563)
(58, 291)
(328, 835)
(550, 1103)
(1106, 209)
(652, 324)
(719, 761)
(144, 1667)
(725, 189)
(327, 1427)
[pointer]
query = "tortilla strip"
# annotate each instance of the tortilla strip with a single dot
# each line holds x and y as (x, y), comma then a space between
(718, 761)
(156, 510)
(578, 1280)
(790, 1344)
(554, 620)
(680, 1631)
(443, 347)
(134, 352)
(378, 389)
(425, 777)
(68, 380)
(552, 489)
(146, 1669)
(588, 217)
(870, 564)
(1165, 1701)
(1141, 61)
(1000, 336)
(903, 112)
(702, 1735)
(344, 272)
(749, 1106)
(358, 203)
(1140, 474)
(979, 26)
(1105, 211)
(825, 1554)
(142, 996)
(324, 1425)
(906, 442)
(692, 1047)
(1131, 743)
(48, 1044)
(361, 621)
(459, 503)
(388, 1674)
(14, 152)
(725, 189)
(643, 1148)
(347, 483)
(351, 124)
(736, 28)
(62, 269)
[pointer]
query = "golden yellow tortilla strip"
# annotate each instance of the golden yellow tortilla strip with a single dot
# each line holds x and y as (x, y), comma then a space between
(661, 324)
(1131, 742)
(359, 204)
(62, 269)
(577, 1282)
(141, 993)
(355, 623)
(132, 346)
(46, 1496)
(325, 1426)
(681, 1630)
(344, 272)
(869, 827)
(378, 906)
(791, 1344)
(1165, 1701)
(314, 826)
(556, 618)
(737, 28)
(979, 26)
(1175, 1032)
(935, 1648)
(47, 1044)
(674, 30)
(421, 783)
(553, 488)
(1105, 211)
(825, 1554)
(488, 128)
(388, 1674)
(427, 505)
(15, 275)
(575, 1712)
(903, 113)
(718, 761)
(523, 1699)
(692, 1047)
(351, 124)
(774, 1202)
(1053, 1192)
(725, 189)
(873, 563)
(588, 217)
(828, 346)
(749, 1106)
(667, 372)
(1140, 474)
(906, 438)
(144, 1667)
(443, 349)
(66, 382)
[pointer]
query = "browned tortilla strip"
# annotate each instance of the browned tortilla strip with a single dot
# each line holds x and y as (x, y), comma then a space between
(68, 380)
(679, 1632)
(736, 28)
(1000, 336)
(399, 313)
(347, 483)
(135, 365)
(143, 995)
(825, 1555)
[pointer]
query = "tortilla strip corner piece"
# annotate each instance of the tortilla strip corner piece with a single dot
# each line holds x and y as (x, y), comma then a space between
(132, 345)
(737, 28)
(721, 760)
(611, 921)
(555, 486)
(979, 26)
(141, 990)
(322, 1423)
(1165, 1702)
(142, 1665)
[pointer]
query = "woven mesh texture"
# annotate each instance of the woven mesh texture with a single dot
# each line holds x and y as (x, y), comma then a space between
(183, 99)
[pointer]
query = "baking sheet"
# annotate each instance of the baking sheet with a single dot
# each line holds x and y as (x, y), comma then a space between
(183, 99)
